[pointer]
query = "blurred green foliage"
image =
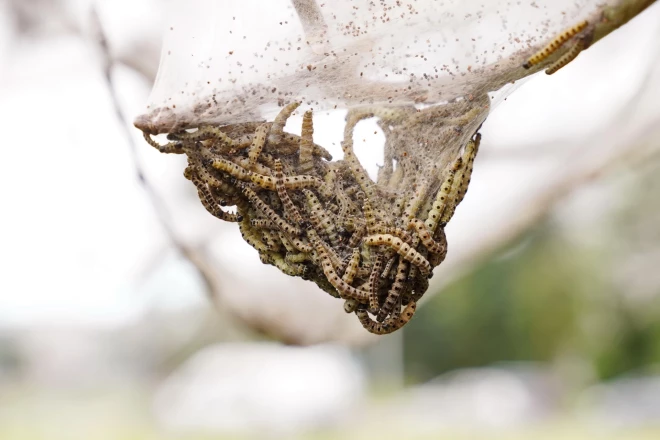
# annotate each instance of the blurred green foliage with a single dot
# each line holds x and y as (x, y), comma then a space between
(520, 306)
(546, 297)
(10, 359)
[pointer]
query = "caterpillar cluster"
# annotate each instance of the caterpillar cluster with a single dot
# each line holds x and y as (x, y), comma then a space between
(372, 244)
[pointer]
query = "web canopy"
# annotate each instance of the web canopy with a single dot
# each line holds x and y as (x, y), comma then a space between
(237, 61)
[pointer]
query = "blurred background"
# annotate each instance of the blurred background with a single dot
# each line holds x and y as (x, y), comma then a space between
(128, 312)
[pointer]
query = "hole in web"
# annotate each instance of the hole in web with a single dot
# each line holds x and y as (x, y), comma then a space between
(368, 142)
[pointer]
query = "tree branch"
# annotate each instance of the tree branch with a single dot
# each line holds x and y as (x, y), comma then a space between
(195, 256)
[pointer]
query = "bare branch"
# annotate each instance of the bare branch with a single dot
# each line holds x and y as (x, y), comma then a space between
(195, 256)
(313, 23)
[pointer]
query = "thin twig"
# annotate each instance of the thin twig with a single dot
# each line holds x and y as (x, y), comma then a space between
(194, 256)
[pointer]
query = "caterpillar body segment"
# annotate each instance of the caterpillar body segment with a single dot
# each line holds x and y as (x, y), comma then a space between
(350, 305)
(442, 198)
(425, 235)
(413, 205)
(258, 144)
(370, 217)
(271, 214)
(231, 169)
(286, 242)
(402, 248)
(305, 161)
(301, 257)
(345, 291)
(555, 44)
(277, 128)
(337, 262)
(357, 236)
(388, 267)
(262, 223)
(271, 240)
(374, 281)
(201, 134)
(169, 148)
(395, 292)
(390, 325)
(462, 178)
(302, 181)
(252, 236)
(276, 259)
(352, 267)
(471, 150)
(320, 218)
(569, 56)
(290, 209)
(210, 204)
(258, 168)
